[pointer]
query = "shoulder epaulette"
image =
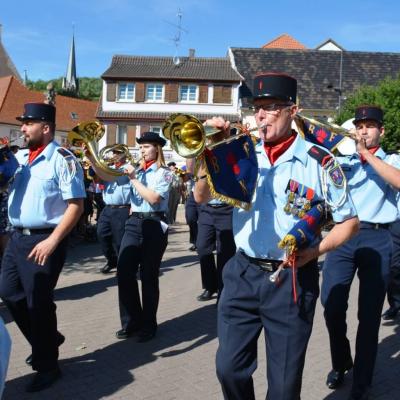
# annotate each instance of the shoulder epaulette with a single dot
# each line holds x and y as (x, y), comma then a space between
(321, 155)
(64, 152)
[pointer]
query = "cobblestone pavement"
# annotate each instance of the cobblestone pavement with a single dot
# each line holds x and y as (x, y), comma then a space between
(179, 362)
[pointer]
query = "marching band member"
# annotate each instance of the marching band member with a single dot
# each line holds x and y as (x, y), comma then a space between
(214, 233)
(111, 223)
(373, 177)
(45, 202)
(250, 301)
(144, 240)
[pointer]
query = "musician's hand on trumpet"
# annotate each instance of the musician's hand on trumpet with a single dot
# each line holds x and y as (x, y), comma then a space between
(218, 123)
(361, 142)
(130, 171)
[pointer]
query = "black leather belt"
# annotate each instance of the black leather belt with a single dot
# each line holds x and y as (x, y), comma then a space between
(371, 225)
(264, 264)
(143, 215)
(217, 205)
(118, 205)
(33, 231)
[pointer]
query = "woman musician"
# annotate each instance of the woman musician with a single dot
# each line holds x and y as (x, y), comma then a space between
(144, 241)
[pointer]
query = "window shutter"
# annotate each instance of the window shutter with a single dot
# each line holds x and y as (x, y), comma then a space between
(203, 93)
(172, 92)
(139, 92)
(111, 134)
(111, 91)
(222, 94)
(131, 136)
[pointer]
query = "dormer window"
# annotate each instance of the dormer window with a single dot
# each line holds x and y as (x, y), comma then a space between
(126, 91)
(155, 92)
(188, 93)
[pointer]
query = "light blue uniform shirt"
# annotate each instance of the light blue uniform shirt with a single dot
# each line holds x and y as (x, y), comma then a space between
(118, 192)
(39, 191)
(154, 178)
(258, 231)
(374, 198)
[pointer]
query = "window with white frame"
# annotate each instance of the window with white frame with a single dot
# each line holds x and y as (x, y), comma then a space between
(157, 129)
(155, 92)
(126, 91)
(122, 134)
(188, 93)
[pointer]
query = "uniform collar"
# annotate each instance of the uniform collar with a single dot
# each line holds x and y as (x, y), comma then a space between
(297, 150)
(47, 152)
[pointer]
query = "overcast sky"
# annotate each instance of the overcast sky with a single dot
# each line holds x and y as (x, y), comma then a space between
(37, 34)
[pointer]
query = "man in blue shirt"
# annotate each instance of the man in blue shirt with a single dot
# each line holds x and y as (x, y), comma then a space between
(45, 202)
(372, 176)
(250, 301)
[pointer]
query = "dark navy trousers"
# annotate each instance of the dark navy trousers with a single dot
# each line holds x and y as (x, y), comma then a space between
(191, 216)
(110, 230)
(142, 246)
(27, 290)
(369, 255)
(250, 303)
(214, 233)
(393, 293)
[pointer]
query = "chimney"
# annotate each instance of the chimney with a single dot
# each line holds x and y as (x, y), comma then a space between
(191, 53)
(1, 31)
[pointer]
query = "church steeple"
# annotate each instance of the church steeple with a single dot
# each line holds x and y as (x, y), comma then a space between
(71, 82)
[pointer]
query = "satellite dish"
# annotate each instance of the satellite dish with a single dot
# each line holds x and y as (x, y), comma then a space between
(176, 60)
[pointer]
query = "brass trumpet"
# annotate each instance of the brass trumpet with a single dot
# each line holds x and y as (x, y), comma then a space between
(89, 133)
(189, 136)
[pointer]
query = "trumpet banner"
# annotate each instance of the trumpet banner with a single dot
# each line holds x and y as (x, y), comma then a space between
(306, 229)
(232, 171)
(319, 134)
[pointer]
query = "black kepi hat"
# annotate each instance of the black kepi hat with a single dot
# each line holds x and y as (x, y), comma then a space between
(151, 137)
(38, 112)
(275, 85)
(370, 112)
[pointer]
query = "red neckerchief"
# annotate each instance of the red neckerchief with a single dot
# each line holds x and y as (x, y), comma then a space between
(275, 150)
(34, 153)
(372, 150)
(118, 164)
(147, 164)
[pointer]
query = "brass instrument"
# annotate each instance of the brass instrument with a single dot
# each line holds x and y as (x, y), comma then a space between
(189, 137)
(89, 133)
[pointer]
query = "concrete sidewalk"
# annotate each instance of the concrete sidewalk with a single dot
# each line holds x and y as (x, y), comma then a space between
(179, 362)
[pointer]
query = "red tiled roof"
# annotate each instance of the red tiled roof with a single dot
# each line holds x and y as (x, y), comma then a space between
(13, 96)
(284, 41)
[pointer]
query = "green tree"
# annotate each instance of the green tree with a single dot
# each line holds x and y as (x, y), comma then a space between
(89, 88)
(386, 95)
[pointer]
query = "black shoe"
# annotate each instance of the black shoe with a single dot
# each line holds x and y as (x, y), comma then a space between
(127, 333)
(192, 248)
(390, 313)
(146, 335)
(43, 380)
(60, 341)
(335, 378)
(107, 268)
(206, 295)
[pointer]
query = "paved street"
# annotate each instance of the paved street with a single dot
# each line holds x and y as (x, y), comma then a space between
(179, 362)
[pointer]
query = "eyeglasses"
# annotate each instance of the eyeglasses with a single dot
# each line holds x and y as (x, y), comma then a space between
(271, 107)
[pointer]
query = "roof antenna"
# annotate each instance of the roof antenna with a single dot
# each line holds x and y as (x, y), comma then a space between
(177, 38)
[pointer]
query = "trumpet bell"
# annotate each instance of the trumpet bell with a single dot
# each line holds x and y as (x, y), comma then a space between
(186, 133)
(89, 133)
